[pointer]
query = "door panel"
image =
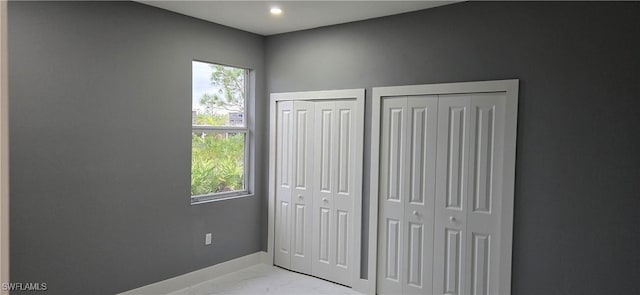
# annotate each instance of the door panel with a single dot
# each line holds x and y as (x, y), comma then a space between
(416, 254)
(302, 195)
(485, 175)
(456, 156)
(408, 163)
(283, 236)
(284, 183)
(453, 261)
(299, 232)
(482, 154)
(333, 197)
(392, 255)
(450, 218)
(325, 116)
(342, 239)
(343, 198)
(344, 150)
(420, 158)
(480, 248)
(395, 157)
(323, 239)
(392, 190)
(323, 256)
(417, 149)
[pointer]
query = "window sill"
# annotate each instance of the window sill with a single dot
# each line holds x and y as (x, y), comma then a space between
(209, 199)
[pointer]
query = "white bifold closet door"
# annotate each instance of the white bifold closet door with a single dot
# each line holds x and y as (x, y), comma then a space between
(440, 194)
(302, 195)
(284, 183)
(468, 193)
(333, 196)
(294, 179)
(315, 162)
(407, 188)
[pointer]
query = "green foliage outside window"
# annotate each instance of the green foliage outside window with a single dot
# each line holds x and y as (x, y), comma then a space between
(217, 163)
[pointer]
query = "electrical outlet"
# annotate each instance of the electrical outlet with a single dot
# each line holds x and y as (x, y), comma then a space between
(207, 239)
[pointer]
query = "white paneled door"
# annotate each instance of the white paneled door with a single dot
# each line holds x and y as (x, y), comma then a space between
(451, 194)
(392, 174)
(315, 173)
(407, 177)
(294, 178)
(440, 193)
(302, 195)
(334, 191)
(324, 187)
(485, 198)
(468, 194)
(421, 154)
(284, 184)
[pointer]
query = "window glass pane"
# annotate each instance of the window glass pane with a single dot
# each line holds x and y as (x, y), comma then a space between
(218, 95)
(217, 162)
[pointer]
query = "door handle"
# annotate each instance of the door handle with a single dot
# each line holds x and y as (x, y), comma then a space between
(325, 200)
(452, 218)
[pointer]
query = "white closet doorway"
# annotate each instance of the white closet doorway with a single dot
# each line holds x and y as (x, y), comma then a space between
(315, 199)
(442, 178)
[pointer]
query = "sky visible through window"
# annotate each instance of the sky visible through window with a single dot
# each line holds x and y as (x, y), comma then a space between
(201, 84)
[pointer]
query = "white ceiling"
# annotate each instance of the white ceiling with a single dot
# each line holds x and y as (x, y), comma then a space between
(254, 16)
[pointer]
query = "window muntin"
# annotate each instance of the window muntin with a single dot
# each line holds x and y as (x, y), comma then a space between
(220, 134)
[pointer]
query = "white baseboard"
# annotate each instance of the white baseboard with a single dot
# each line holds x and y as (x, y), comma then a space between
(199, 276)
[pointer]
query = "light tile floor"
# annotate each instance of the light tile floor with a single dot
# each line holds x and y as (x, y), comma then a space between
(265, 279)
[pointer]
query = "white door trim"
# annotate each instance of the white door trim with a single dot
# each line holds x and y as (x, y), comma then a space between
(511, 112)
(358, 95)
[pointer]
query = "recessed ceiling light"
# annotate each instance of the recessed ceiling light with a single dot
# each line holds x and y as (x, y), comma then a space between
(276, 11)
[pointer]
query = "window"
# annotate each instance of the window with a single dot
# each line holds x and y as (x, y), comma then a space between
(219, 132)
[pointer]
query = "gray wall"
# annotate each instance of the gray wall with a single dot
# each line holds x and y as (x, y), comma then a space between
(100, 106)
(578, 161)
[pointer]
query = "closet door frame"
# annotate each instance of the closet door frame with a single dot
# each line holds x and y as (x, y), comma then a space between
(352, 94)
(510, 88)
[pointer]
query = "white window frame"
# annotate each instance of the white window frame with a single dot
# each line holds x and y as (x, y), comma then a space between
(205, 198)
